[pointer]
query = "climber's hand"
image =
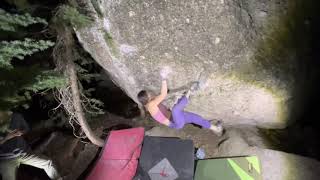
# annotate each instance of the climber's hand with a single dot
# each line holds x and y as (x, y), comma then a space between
(165, 71)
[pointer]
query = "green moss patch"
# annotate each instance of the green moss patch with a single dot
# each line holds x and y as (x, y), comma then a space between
(111, 44)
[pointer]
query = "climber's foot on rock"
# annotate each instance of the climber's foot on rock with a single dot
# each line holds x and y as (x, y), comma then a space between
(187, 94)
(217, 128)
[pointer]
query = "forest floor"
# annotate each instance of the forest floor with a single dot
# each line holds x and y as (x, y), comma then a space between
(75, 158)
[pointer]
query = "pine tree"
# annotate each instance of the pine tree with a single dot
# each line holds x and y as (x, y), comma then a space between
(74, 99)
(16, 83)
(19, 49)
(10, 22)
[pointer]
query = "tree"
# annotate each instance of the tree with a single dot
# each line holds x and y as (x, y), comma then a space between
(72, 97)
(18, 82)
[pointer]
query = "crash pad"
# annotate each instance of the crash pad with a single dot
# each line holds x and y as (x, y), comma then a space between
(166, 159)
(232, 168)
(119, 157)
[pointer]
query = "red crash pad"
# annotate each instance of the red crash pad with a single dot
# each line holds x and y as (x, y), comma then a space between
(118, 160)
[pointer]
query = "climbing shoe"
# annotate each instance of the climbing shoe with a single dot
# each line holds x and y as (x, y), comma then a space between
(217, 128)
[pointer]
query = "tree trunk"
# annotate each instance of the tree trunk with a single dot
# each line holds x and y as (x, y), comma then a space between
(73, 80)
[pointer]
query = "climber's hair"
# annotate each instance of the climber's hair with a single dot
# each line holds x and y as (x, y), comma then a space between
(143, 97)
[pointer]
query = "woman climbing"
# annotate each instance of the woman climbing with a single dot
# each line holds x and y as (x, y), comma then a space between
(178, 117)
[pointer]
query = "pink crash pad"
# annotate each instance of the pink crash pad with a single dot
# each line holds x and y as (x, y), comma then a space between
(118, 160)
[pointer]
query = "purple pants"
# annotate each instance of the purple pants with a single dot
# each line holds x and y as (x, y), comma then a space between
(181, 117)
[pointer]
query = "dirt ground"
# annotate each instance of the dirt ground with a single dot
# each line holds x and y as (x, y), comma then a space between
(74, 157)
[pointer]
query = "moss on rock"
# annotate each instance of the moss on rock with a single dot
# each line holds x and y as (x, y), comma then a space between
(111, 44)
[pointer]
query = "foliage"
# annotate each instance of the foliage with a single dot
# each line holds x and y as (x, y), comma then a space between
(71, 17)
(86, 70)
(18, 82)
(10, 22)
(19, 49)
(47, 80)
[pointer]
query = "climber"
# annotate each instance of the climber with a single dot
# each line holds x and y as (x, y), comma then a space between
(178, 117)
(14, 150)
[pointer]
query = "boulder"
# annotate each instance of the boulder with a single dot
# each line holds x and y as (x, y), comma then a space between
(276, 165)
(207, 41)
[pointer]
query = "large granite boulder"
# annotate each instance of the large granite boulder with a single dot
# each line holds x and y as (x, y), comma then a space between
(276, 165)
(213, 42)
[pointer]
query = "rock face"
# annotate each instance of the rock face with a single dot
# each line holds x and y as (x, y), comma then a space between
(207, 41)
(275, 164)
